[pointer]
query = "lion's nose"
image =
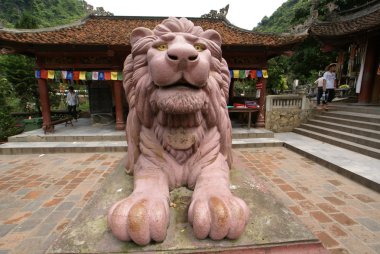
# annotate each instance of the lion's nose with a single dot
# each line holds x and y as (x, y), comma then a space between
(182, 54)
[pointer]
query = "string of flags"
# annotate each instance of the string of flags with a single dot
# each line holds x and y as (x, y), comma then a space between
(79, 75)
(249, 73)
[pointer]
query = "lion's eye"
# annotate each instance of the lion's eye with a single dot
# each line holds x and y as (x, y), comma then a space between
(199, 47)
(162, 47)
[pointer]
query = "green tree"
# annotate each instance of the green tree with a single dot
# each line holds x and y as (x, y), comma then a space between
(7, 123)
(18, 71)
(27, 21)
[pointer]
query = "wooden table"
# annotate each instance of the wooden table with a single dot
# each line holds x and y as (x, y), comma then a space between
(244, 110)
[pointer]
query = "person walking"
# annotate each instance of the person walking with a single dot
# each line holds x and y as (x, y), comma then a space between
(72, 101)
(321, 90)
(329, 81)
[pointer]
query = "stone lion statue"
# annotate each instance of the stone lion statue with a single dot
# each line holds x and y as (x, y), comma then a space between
(179, 134)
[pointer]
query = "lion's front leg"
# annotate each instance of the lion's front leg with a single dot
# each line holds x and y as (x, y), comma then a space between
(144, 215)
(214, 211)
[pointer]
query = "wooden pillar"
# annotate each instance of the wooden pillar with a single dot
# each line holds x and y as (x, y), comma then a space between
(368, 73)
(45, 105)
(118, 93)
(231, 91)
(260, 122)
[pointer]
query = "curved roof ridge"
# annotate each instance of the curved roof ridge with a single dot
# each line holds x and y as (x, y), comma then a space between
(82, 21)
(352, 16)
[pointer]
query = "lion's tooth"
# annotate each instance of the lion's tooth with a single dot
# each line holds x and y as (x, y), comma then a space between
(190, 120)
(198, 118)
(162, 118)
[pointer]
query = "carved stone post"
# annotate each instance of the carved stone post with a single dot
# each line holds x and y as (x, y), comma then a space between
(45, 105)
(118, 93)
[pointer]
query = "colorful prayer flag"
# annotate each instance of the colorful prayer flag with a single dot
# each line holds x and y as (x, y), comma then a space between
(95, 75)
(236, 73)
(241, 73)
(76, 75)
(44, 74)
(37, 74)
(88, 75)
(259, 73)
(107, 75)
(101, 75)
(70, 75)
(253, 74)
(64, 74)
(82, 75)
(231, 73)
(119, 75)
(265, 73)
(113, 75)
(50, 74)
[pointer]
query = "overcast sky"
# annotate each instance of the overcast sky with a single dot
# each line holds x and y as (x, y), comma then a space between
(242, 13)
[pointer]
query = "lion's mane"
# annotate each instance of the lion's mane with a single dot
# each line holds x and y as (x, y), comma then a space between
(139, 89)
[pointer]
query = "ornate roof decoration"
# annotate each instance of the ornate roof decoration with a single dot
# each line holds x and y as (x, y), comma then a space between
(213, 14)
(363, 20)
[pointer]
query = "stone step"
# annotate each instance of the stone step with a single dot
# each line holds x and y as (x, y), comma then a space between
(346, 128)
(375, 110)
(360, 124)
(371, 118)
(352, 146)
(62, 147)
(359, 139)
(358, 167)
(106, 146)
(237, 133)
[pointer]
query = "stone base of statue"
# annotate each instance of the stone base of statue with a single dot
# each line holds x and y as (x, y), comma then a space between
(271, 226)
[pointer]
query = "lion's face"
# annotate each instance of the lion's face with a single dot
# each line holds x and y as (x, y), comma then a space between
(177, 85)
(179, 64)
(179, 59)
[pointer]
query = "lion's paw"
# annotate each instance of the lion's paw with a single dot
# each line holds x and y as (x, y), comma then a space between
(140, 218)
(218, 217)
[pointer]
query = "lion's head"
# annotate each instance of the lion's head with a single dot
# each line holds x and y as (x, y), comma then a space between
(176, 83)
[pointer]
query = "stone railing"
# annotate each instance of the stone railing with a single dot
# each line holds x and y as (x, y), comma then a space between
(286, 112)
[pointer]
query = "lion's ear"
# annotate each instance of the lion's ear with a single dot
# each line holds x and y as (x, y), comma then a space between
(212, 35)
(139, 33)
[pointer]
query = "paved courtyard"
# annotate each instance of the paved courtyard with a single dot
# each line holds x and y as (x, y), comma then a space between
(41, 193)
(343, 214)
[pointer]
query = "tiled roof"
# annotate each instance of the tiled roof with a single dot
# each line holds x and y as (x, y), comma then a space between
(116, 30)
(355, 23)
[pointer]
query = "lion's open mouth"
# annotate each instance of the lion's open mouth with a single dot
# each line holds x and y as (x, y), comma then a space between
(180, 85)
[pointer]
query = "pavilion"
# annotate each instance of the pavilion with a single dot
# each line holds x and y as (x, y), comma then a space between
(101, 43)
(355, 34)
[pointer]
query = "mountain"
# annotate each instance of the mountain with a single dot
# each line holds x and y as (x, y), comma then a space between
(44, 13)
(295, 12)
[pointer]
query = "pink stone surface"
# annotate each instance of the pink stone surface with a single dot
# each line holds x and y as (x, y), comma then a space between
(179, 134)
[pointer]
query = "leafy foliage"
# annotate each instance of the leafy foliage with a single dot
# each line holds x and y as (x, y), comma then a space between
(43, 13)
(7, 123)
(18, 71)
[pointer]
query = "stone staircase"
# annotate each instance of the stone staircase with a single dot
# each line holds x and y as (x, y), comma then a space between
(85, 139)
(353, 127)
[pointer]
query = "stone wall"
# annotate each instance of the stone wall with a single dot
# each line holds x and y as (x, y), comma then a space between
(286, 112)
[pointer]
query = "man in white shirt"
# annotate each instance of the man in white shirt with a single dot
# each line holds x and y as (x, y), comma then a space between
(72, 102)
(321, 90)
(329, 81)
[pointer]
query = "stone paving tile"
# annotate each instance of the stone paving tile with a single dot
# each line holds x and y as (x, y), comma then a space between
(41, 194)
(343, 214)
